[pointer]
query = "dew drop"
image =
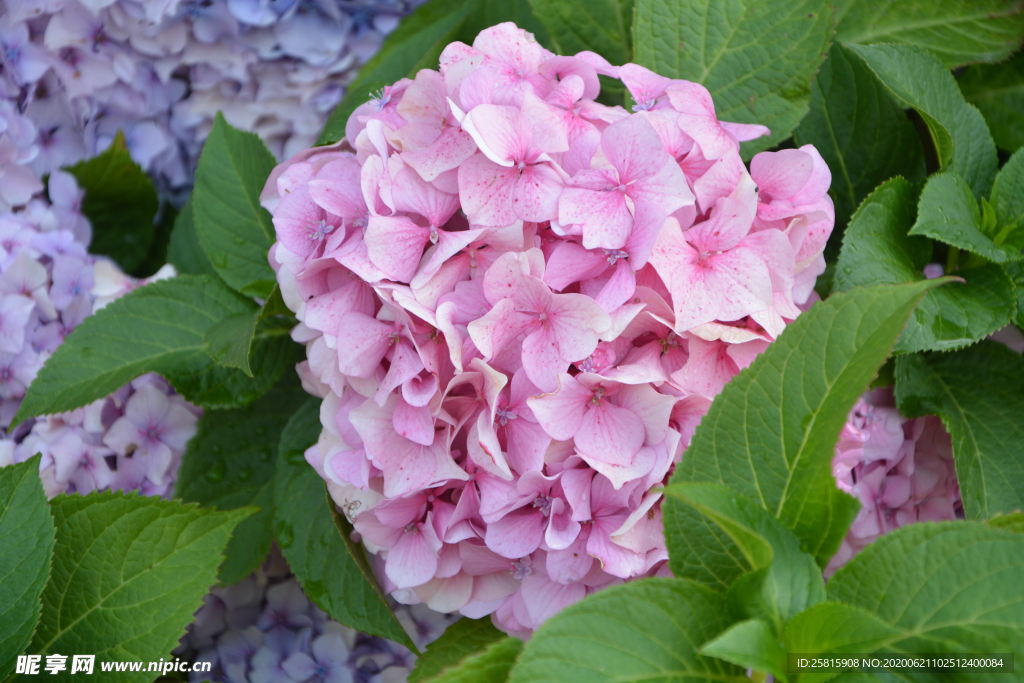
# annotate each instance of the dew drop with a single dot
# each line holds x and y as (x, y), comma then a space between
(285, 535)
(215, 473)
(244, 474)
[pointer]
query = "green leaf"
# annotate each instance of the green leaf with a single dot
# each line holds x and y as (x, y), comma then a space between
(789, 580)
(271, 354)
(835, 628)
(156, 328)
(26, 536)
(756, 57)
(648, 630)
(954, 317)
(602, 26)
(860, 132)
(417, 44)
(231, 463)
(949, 587)
(128, 574)
(333, 570)
(920, 81)
(877, 249)
(462, 639)
(949, 213)
(957, 31)
(228, 341)
(1016, 273)
(234, 230)
(750, 644)
(771, 433)
(979, 394)
(1012, 522)
(1008, 194)
(491, 665)
(120, 202)
(998, 91)
(184, 251)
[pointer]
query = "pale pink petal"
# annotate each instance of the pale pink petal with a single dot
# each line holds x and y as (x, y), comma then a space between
(780, 175)
(536, 193)
(527, 443)
(412, 561)
(561, 413)
(362, 343)
(486, 191)
(610, 434)
(517, 534)
(571, 263)
(415, 424)
(395, 245)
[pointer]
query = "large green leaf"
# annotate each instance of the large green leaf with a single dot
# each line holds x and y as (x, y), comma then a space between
(26, 536)
(919, 80)
(998, 91)
(860, 132)
(948, 212)
(461, 640)
(333, 570)
(958, 31)
(231, 462)
(948, 587)
(156, 328)
(602, 26)
(120, 202)
(491, 664)
(756, 57)
(184, 251)
(128, 574)
(417, 43)
(877, 249)
(789, 580)
(979, 394)
(750, 644)
(835, 628)
(234, 230)
(648, 630)
(771, 433)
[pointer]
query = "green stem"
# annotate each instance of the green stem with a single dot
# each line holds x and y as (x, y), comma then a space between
(952, 260)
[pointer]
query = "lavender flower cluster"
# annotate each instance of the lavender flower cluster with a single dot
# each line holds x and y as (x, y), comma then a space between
(159, 70)
(264, 630)
(901, 470)
(49, 283)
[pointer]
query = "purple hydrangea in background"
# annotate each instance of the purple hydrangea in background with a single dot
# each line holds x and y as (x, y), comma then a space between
(133, 439)
(264, 630)
(159, 70)
(901, 471)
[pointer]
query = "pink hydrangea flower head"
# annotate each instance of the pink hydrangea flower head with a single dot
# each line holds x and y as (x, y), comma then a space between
(521, 312)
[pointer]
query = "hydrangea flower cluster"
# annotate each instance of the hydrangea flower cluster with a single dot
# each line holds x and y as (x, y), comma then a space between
(131, 440)
(264, 630)
(159, 71)
(901, 470)
(518, 303)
